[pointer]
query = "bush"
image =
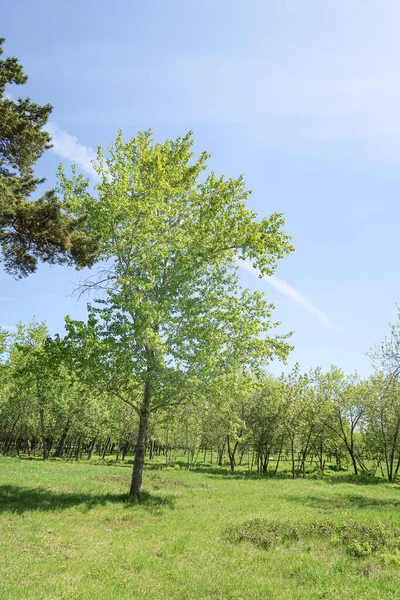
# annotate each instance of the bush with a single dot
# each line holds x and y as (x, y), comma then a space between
(359, 539)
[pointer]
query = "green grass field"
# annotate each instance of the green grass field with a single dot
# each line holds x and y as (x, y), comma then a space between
(67, 531)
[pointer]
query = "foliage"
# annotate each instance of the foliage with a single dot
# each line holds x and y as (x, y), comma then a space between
(357, 538)
(174, 315)
(31, 230)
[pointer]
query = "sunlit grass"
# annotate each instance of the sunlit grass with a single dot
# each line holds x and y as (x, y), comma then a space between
(67, 530)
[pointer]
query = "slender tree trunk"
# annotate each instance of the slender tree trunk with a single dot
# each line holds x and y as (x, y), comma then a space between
(43, 432)
(266, 460)
(9, 440)
(151, 451)
(279, 458)
(125, 450)
(78, 448)
(393, 451)
(232, 453)
(337, 458)
(321, 457)
(354, 461)
(140, 450)
(59, 453)
(252, 460)
(397, 468)
(302, 467)
(92, 446)
(221, 454)
(118, 452)
(293, 459)
(105, 448)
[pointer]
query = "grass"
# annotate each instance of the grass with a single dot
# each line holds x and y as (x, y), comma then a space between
(67, 530)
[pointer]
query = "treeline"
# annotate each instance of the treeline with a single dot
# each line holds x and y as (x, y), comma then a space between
(301, 421)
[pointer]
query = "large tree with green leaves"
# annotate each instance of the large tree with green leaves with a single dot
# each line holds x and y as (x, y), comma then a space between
(172, 315)
(31, 230)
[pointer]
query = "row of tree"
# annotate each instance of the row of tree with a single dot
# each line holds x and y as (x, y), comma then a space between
(299, 421)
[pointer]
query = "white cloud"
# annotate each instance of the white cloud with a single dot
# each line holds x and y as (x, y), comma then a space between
(68, 147)
(288, 290)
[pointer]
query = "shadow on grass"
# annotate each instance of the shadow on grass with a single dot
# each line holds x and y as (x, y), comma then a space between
(18, 500)
(360, 479)
(329, 477)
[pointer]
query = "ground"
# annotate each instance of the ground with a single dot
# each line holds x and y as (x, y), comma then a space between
(67, 531)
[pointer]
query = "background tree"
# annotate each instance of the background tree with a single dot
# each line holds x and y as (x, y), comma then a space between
(31, 230)
(383, 416)
(385, 405)
(268, 432)
(347, 402)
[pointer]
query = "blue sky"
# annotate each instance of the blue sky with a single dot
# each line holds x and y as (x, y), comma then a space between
(301, 97)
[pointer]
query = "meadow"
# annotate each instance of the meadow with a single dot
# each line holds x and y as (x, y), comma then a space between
(68, 530)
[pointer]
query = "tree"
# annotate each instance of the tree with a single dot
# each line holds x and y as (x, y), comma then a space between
(35, 375)
(385, 405)
(173, 312)
(295, 393)
(236, 397)
(347, 401)
(31, 230)
(383, 415)
(267, 423)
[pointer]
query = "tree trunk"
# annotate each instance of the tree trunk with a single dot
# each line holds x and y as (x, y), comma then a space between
(354, 461)
(125, 450)
(140, 450)
(302, 467)
(9, 440)
(151, 451)
(105, 448)
(59, 453)
(92, 446)
(78, 448)
(265, 462)
(43, 432)
(279, 457)
(232, 453)
(118, 452)
(221, 455)
(293, 459)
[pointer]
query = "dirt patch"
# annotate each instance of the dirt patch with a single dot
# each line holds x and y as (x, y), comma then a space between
(115, 478)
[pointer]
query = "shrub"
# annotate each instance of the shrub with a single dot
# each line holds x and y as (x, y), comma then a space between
(359, 539)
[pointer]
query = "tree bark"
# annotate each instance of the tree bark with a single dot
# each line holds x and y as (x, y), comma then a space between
(59, 453)
(354, 461)
(151, 451)
(78, 448)
(92, 446)
(293, 460)
(232, 453)
(43, 432)
(140, 450)
(105, 448)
